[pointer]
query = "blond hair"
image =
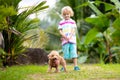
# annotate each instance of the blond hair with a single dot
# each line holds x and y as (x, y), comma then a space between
(67, 9)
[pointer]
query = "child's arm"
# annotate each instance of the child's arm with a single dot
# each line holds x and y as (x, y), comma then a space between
(63, 35)
(72, 33)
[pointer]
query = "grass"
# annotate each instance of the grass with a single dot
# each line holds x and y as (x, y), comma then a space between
(37, 72)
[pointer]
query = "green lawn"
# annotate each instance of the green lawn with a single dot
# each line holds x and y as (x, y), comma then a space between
(87, 72)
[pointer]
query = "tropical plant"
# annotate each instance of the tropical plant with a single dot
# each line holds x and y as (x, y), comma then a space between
(105, 24)
(40, 39)
(15, 25)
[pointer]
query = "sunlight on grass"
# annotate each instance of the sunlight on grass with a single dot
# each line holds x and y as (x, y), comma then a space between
(87, 72)
(20, 72)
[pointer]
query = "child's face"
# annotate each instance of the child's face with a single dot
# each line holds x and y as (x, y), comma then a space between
(66, 15)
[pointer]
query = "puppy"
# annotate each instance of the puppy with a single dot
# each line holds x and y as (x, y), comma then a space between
(55, 60)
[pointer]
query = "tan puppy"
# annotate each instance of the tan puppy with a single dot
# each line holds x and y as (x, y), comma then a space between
(55, 60)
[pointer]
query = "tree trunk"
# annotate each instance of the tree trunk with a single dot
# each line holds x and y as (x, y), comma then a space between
(108, 48)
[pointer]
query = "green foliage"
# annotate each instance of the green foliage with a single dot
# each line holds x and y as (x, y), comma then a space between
(54, 38)
(107, 25)
(91, 35)
(39, 40)
(16, 26)
(8, 3)
(116, 38)
(101, 23)
(116, 24)
(4, 11)
(108, 6)
(116, 33)
(116, 50)
(94, 8)
(9, 11)
(117, 3)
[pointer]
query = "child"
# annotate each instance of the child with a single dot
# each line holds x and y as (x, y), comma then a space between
(67, 28)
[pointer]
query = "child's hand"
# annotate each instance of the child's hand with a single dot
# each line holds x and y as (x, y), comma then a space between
(65, 38)
(69, 38)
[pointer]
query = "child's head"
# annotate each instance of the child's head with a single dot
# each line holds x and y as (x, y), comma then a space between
(67, 12)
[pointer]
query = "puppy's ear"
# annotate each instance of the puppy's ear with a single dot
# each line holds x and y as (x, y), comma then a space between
(48, 55)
